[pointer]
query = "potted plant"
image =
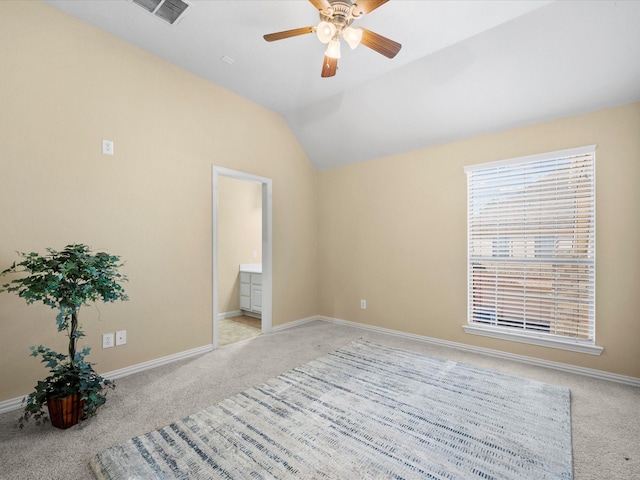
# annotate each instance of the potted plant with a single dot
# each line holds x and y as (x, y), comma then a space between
(65, 281)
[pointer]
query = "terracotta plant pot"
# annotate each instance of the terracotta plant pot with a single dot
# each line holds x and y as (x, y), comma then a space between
(65, 412)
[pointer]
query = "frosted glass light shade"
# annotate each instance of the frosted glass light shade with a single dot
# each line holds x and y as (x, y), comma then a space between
(353, 36)
(325, 31)
(333, 49)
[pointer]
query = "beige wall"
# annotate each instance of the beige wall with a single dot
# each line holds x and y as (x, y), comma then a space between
(64, 87)
(393, 232)
(239, 235)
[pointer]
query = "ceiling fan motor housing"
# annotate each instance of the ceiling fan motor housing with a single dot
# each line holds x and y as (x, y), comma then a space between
(341, 13)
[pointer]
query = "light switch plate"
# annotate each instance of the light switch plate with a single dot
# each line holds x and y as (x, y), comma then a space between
(107, 147)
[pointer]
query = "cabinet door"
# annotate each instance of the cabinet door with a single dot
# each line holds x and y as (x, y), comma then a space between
(245, 302)
(245, 291)
(256, 298)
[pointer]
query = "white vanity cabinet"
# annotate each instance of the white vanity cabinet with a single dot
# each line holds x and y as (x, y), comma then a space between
(251, 288)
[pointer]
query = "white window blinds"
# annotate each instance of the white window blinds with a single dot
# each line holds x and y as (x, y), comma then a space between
(531, 257)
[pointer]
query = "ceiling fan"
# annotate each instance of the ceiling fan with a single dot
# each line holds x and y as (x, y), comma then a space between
(336, 17)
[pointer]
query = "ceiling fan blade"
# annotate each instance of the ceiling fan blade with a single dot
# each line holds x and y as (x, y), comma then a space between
(366, 6)
(329, 67)
(271, 37)
(321, 4)
(380, 44)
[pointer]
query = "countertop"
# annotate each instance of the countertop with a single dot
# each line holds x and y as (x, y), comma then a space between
(251, 267)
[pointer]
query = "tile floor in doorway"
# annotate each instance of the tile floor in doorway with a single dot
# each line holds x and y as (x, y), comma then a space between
(235, 329)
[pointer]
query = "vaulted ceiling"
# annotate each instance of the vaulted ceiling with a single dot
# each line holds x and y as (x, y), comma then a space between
(466, 68)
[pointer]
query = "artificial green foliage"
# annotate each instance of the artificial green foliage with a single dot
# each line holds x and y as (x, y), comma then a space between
(67, 280)
(64, 381)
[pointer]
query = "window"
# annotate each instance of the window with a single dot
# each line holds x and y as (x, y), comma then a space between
(531, 249)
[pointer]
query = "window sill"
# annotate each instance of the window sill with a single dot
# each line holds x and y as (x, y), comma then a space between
(533, 339)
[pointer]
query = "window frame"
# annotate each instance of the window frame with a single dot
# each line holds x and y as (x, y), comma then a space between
(508, 329)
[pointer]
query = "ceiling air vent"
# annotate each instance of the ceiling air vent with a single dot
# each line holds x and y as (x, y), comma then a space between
(168, 10)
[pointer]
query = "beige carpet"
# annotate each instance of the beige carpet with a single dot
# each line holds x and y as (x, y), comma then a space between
(236, 329)
(605, 415)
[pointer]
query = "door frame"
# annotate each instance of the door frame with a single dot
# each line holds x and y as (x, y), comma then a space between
(267, 245)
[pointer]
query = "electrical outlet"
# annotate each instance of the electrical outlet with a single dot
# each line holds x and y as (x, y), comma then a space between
(363, 304)
(107, 340)
(121, 337)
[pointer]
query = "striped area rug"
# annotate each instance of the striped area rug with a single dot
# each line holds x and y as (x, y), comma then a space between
(364, 411)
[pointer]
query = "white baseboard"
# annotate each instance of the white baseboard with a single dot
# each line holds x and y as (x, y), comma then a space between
(11, 404)
(295, 323)
(141, 367)
(565, 367)
(238, 313)
(16, 403)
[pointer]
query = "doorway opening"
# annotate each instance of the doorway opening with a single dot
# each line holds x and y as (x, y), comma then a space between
(265, 277)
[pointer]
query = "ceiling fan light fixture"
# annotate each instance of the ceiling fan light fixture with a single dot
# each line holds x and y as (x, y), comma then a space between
(353, 36)
(325, 31)
(336, 17)
(333, 49)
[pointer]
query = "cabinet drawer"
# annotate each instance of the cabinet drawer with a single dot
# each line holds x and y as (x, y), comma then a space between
(245, 277)
(256, 279)
(245, 289)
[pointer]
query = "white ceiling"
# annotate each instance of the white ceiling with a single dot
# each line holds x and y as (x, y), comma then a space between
(466, 68)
